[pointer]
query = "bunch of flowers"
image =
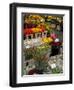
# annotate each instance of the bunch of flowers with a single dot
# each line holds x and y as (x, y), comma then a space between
(36, 30)
(29, 31)
(34, 19)
(41, 56)
(47, 40)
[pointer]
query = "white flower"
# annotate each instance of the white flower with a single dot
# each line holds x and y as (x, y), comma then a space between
(53, 65)
(27, 46)
(57, 40)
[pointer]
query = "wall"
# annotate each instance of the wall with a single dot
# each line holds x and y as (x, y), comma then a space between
(4, 43)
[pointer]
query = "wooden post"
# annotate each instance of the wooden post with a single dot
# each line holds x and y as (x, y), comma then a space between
(31, 36)
(36, 35)
(42, 34)
(45, 33)
(27, 37)
(39, 35)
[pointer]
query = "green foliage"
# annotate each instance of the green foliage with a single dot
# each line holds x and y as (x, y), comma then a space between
(56, 70)
(41, 65)
(28, 54)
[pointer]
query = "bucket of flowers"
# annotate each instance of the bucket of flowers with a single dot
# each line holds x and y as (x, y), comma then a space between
(41, 56)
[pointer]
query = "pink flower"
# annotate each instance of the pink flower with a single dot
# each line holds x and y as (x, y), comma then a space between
(53, 35)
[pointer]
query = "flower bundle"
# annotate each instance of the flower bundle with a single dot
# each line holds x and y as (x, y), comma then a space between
(29, 31)
(47, 40)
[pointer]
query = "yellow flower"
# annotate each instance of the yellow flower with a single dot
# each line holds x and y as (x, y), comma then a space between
(35, 30)
(47, 40)
(50, 17)
(50, 39)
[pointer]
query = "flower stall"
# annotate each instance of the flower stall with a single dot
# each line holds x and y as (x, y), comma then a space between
(42, 40)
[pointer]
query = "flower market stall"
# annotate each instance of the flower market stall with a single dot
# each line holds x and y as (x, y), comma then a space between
(42, 44)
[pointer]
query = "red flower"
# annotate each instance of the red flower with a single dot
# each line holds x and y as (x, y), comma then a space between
(56, 43)
(28, 31)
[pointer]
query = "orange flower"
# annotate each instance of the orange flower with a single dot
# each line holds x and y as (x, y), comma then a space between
(36, 30)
